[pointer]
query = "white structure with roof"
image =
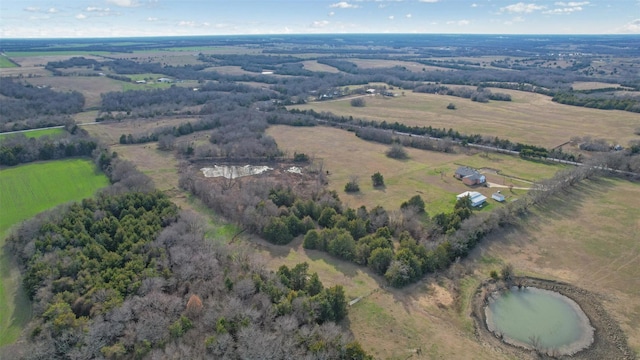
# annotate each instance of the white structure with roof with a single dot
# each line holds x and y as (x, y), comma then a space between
(477, 199)
(498, 196)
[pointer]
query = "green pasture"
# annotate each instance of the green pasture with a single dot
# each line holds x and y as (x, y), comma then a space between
(25, 191)
(36, 133)
(6, 63)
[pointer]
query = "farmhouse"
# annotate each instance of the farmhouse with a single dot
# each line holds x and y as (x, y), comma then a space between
(470, 176)
(477, 199)
(164, 80)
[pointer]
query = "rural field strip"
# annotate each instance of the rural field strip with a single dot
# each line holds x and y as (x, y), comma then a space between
(44, 128)
(484, 147)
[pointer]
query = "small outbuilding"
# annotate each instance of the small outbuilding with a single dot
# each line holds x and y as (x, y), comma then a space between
(498, 196)
(477, 199)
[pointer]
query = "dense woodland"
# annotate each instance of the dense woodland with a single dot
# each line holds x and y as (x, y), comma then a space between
(23, 106)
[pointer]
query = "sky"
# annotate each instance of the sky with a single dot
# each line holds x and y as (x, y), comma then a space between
(123, 18)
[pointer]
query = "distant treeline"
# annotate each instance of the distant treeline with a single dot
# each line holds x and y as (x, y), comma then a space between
(23, 106)
(618, 102)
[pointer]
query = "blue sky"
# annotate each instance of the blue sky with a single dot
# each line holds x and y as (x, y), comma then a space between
(116, 18)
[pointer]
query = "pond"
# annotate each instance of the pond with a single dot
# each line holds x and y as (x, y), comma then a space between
(539, 319)
(233, 171)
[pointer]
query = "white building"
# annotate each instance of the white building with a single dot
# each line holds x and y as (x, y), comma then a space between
(477, 199)
(497, 196)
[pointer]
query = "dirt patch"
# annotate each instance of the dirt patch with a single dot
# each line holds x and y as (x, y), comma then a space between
(609, 340)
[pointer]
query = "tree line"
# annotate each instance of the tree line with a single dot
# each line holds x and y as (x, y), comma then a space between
(24, 106)
(18, 149)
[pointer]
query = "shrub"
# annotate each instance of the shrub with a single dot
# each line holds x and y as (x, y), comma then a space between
(358, 102)
(397, 151)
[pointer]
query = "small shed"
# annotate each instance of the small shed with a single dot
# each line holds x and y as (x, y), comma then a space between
(497, 196)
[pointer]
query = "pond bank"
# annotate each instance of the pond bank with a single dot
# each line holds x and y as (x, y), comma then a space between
(609, 340)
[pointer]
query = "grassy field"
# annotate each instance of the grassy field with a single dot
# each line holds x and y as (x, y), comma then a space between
(529, 118)
(36, 133)
(587, 237)
(90, 86)
(427, 173)
(25, 191)
(6, 63)
(592, 85)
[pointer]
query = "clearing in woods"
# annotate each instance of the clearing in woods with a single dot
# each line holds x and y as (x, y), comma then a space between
(25, 191)
(529, 118)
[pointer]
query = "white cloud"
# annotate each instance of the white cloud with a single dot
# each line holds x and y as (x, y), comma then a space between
(572, 3)
(123, 3)
(428, 1)
(391, 17)
(187, 23)
(567, 8)
(152, 19)
(320, 24)
(331, 13)
(81, 16)
(408, 16)
(522, 8)
(632, 27)
(474, 5)
(52, 10)
(343, 5)
(459, 22)
(514, 20)
(32, 9)
(97, 9)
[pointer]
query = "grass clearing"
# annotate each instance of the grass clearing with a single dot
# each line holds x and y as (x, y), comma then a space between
(529, 118)
(25, 191)
(6, 63)
(427, 173)
(588, 237)
(90, 86)
(34, 134)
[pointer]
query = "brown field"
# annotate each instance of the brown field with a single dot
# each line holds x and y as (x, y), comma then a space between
(90, 86)
(592, 85)
(529, 118)
(110, 132)
(228, 70)
(25, 71)
(588, 238)
(344, 155)
(313, 65)
(409, 65)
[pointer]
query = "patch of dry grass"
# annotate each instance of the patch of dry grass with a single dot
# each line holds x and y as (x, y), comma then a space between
(426, 173)
(530, 118)
(592, 85)
(313, 65)
(90, 86)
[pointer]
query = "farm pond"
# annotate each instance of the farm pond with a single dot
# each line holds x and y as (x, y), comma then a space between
(538, 319)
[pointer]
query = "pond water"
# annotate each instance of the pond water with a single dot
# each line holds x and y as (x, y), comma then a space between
(233, 171)
(539, 319)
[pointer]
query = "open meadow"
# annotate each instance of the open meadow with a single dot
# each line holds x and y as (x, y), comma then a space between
(587, 236)
(36, 133)
(426, 173)
(529, 118)
(25, 191)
